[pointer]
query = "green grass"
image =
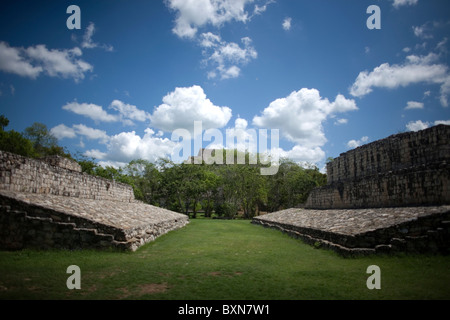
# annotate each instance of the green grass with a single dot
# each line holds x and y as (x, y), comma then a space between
(215, 260)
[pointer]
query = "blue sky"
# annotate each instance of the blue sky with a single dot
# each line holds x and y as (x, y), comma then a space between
(136, 71)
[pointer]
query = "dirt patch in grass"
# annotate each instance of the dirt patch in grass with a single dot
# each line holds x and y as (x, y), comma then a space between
(218, 273)
(143, 289)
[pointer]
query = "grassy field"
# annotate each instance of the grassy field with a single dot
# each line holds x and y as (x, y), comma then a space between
(216, 260)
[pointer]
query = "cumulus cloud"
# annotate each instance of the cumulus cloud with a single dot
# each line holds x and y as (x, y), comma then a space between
(88, 43)
(416, 69)
(127, 146)
(243, 139)
(182, 107)
(422, 32)
(120, 148)
(62, 131)
(33, 61)
(300, 118)
(287, 24)
(301, 114)
(226, 56)
(400, 3)
(126, 112)
(192, 15)
(417, 125)
(446, 122)
(90, 110)
(414, 105)
(356, 143)
(129, 112)
(341, 121)
(13, 60)
(91, 133)
(420, 125)
(260, 9)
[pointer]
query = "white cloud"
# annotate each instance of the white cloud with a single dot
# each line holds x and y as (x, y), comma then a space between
(127, 146)
(183, 106)
(88, 43)
(356, 143)
(34, 60)
(414, 105)
(245, 140)
(192, 15)
(300, 118)
(13, 60)
(60, 62)
(303, 154)
(420, 125)
(91, 133)
(399, 3)
(90, 110)
(422, 32)
(287, 24)
(62, 131)
(300, 115)
(341, 121)
(417, 125)
(260, 9)
(416, 69)
(226, 56)
(129, 112)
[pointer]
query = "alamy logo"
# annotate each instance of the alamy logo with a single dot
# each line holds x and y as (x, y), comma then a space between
(74, 21)
(374, 281)
(374, 21)
(74, 281)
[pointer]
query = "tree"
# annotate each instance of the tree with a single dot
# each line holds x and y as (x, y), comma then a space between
(13, 141)
(291, 186)
(146, 179)
(44, 142)
(3, 122)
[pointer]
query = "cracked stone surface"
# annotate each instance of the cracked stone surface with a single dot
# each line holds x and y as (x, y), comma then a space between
(122, 215)
(351, 221)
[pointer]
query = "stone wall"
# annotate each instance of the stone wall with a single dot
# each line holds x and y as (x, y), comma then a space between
(407, 169)
(42, 221)
(57, 176)
(397, 152)
(50, 203)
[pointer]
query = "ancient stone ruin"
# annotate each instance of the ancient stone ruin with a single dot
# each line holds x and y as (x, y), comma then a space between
(50, 203)
(389, 195)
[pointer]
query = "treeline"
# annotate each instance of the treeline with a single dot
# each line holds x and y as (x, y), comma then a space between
(224, 190)
(35, 142)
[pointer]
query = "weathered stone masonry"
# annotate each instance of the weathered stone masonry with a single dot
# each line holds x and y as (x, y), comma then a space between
(57, 176)
(407, 169)
(50, 203)
(386, 196)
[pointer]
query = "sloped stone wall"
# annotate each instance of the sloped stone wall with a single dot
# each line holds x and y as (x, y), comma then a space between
(49, 203)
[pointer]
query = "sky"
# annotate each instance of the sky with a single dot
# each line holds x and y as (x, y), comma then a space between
(326, 75)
